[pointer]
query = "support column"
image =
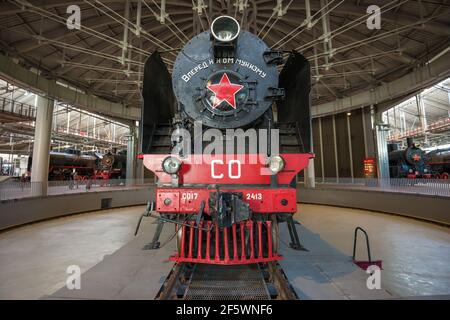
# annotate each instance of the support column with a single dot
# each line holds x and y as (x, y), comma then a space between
(422, 116)
(131, 156)
(41, 148)
(381, 133)
(350, 149)
(139, 162)
(336, 161)
(309, 175)
(322, 165)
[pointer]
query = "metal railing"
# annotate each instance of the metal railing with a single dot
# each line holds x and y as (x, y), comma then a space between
(438, 187)
(19, 108)
(15, 189)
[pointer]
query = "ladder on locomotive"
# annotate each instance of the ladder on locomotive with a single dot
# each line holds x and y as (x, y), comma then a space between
(290, 138)
(160, 142)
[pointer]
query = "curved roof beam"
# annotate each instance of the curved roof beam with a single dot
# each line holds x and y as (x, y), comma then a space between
(412, 82)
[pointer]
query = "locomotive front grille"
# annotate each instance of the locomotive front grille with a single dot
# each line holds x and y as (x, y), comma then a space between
(242, 243)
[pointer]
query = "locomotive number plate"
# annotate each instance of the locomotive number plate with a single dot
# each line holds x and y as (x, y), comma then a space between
(189, 196)
(253, 196)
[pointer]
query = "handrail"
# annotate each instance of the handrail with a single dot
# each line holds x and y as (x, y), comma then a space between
(367, 243)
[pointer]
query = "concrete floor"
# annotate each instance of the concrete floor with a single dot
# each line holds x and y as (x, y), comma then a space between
(34, 258)
(415, 254)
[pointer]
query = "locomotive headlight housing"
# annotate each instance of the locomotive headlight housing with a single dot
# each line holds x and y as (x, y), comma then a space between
(224, 33)
(225, 28)
(276, 164)
(171, 165)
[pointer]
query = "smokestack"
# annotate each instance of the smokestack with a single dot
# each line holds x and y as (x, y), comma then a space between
(409, 142)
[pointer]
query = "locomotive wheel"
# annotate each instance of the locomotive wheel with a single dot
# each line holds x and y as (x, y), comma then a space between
(445, 176)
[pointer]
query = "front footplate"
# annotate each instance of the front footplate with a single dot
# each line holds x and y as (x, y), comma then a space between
(243, 243)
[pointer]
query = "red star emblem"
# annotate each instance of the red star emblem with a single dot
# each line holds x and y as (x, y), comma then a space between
(416, 157)
(225, 91)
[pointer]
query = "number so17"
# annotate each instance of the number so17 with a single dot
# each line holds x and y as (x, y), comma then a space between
(189, 196)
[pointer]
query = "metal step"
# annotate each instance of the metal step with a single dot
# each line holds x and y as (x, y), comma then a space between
(214, 282)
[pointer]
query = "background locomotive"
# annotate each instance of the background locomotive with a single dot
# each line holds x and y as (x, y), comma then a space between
(90, 165)
(439, 161)
(226, 210)
(408, 163)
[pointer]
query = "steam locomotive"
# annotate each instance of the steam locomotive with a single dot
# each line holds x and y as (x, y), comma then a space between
(439, 161)
(90, 165)
(226, 206)
(408, 163)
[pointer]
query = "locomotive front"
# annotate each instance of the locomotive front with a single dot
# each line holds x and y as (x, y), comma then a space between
(225, 206)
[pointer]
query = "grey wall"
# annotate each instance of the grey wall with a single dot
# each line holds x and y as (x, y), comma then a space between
(21, 211)
(424, 207)
(362, 145)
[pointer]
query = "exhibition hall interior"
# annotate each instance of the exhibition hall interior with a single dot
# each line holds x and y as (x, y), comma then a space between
(224, 150)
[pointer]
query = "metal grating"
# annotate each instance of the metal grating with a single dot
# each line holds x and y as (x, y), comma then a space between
(213, 282)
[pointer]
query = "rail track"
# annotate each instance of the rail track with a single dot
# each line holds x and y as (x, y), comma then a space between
(215, 282)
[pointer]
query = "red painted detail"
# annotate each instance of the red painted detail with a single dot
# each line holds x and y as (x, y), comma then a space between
(235, 253)
(260, 251)
(217, 253)
(191, 239)
(226, 258)
(221, 254)
(224, 91)
(199, 245)
(252, 242)
(261, 200)
(183, 235)
(224, 169)
(366, 264)
(242, 226)
(269, 238)
(411, 176)
(208, 241)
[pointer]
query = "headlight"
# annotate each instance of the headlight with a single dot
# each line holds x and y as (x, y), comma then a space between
(425, 170)
(171, 165)
(410, 170)
(276, 164)
(225, 28)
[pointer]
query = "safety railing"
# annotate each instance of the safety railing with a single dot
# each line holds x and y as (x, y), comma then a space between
(16, 189)
(438, 187)
(19, 108)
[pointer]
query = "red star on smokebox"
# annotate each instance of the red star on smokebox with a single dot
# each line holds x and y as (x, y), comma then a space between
(225, 91)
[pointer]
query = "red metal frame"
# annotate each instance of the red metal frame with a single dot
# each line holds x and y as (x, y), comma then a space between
(241, 254)
(199, 169)
(261, 200)
(245, 173)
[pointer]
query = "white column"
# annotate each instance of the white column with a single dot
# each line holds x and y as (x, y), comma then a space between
(336, 161)
(381, 133)
(41, 148)
(310, 180)
(131, 156)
